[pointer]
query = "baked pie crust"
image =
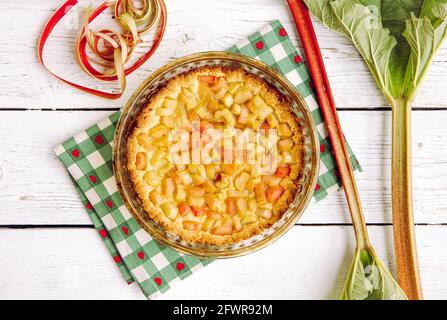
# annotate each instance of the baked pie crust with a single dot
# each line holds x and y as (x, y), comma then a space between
(227, 200)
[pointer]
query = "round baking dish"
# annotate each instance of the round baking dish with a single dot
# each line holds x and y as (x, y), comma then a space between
(141, 97)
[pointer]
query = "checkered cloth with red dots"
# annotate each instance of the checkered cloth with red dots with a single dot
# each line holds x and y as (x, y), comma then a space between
(88, 159)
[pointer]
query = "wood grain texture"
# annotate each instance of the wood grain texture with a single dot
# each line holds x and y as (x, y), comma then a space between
(194, 25)
(72, 264)
(34, 188)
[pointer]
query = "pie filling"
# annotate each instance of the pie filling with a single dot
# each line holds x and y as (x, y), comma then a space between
(216, 156)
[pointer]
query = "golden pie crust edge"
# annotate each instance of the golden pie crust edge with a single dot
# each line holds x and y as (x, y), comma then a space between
(283, 112)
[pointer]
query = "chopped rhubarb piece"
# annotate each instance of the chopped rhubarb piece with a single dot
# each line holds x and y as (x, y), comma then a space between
(205, 125)
(141, 161)
(260, 193)
(265, 126)
(183, 208)
(283, 171)
(223, 230)
(196, 192)
(193, 116)
(208, 79)
(271, 181)
(192, 225)
(214, 215)
(176, 178)
(243, 95)
(220, 85)
(231, 208)
(274, 193)
(198, 211)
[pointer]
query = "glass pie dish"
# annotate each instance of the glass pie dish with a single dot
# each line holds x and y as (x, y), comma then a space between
(141, 98)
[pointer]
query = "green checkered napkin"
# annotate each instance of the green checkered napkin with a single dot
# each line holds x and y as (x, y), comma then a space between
(88, 158)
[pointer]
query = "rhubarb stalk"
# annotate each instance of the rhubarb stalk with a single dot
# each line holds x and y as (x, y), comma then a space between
(368, 277)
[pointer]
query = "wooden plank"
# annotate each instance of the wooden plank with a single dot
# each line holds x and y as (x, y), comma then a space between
(192, 26)
(73, 264)
(31, 178)
(34, 188)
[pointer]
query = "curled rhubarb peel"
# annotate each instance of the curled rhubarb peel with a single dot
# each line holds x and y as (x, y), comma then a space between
(110, 50)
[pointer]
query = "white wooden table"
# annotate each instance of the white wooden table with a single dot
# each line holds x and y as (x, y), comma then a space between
(48, 247)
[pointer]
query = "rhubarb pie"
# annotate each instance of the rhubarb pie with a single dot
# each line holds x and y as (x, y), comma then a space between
(216, 156)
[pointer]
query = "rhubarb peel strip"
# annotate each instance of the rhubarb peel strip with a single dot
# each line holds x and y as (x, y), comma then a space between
(117, 48)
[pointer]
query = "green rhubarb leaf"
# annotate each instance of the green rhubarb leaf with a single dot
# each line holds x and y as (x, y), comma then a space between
(372, 40)
(396, 38)
(424, 36)
(369, 279)
(394, 15)
(358, 286)
(361, 21)
(322, 10)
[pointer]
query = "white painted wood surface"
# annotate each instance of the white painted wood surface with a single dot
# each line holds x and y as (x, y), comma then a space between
(309, 263)
(71, 262)
(194, 25)
(40, 182)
